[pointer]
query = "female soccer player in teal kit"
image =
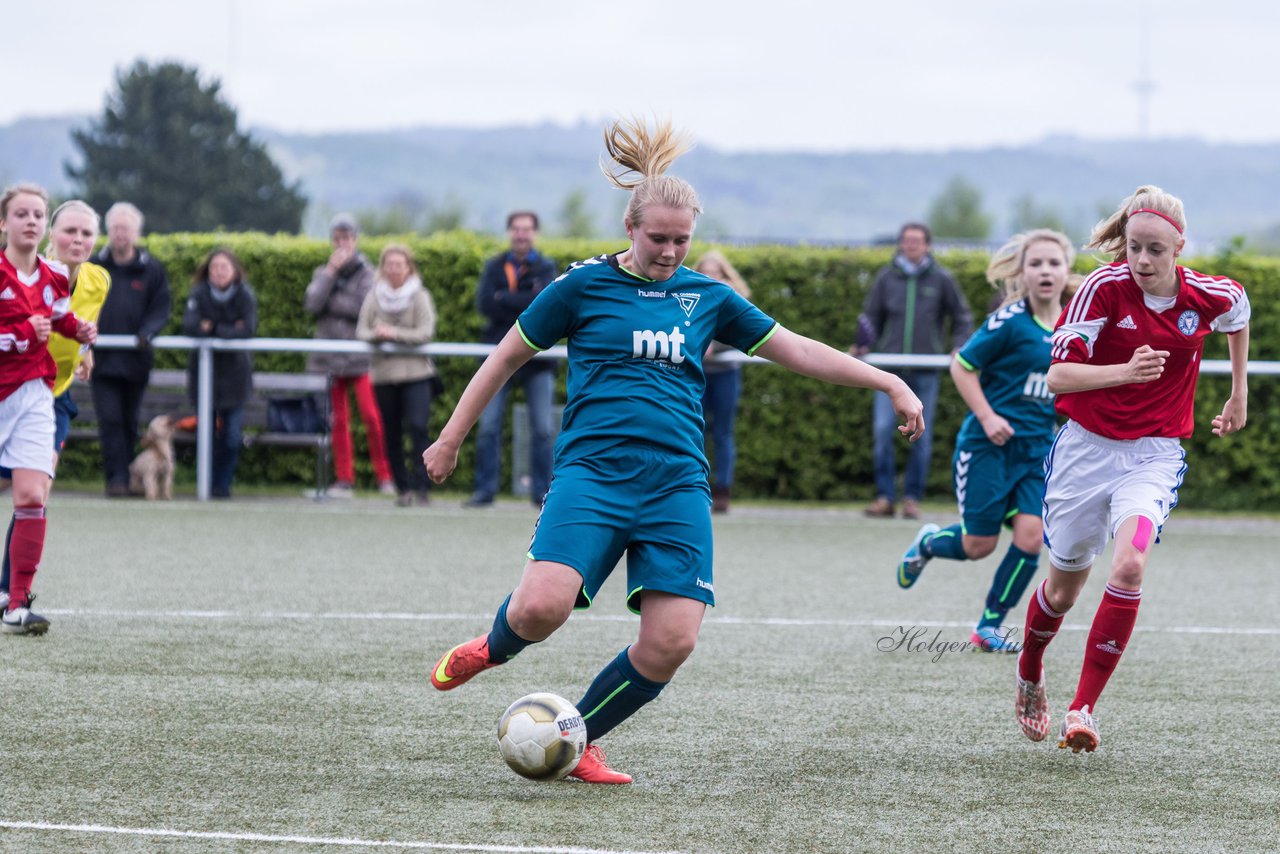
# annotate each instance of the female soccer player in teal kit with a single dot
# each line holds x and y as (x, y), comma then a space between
(630, 475)
(999, 460)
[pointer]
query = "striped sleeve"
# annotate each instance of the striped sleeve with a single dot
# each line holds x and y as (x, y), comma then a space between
(1086, 315)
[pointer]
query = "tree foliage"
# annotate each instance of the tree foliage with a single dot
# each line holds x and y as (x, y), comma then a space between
(1029, 214)
(170, 144)
(576, 219)
(957, 212)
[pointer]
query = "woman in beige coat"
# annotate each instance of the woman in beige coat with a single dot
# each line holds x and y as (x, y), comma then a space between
(399, 310)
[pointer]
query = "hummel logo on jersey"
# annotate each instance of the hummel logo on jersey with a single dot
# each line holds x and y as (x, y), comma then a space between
(1110, 646)
(663, 346)
(652, 294)
(8, 293)
(688, 302)
(1127, 323)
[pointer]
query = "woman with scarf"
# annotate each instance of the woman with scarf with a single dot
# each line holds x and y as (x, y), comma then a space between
(399, 310)
(222, 305)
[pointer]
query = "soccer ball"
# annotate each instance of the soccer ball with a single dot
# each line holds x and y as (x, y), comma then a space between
(542, 736)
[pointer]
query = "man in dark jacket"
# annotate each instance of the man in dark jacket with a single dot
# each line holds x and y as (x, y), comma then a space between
(507, 286)
(909, 303)
(335, 295)
(137, 304)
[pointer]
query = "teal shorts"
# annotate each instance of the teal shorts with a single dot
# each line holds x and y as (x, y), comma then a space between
(994, 483)
(641, 501)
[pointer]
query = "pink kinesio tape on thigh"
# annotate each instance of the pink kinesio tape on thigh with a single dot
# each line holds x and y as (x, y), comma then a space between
(1142, 536)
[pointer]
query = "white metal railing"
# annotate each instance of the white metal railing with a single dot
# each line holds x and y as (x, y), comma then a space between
(207, 346)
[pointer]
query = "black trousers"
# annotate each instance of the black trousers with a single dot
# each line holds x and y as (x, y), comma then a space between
(402, 403)
(117, 404)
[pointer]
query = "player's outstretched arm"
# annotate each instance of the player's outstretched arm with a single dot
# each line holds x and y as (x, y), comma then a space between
(815, 359)
(1144, 366)
(1236, 410)
(441, 457)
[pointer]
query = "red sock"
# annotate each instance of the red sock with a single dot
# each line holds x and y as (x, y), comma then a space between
(1108, 636)
(25, 549)
(1042, 626)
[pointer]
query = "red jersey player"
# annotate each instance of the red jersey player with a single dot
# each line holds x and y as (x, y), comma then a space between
(33, 302)
(1126, 356)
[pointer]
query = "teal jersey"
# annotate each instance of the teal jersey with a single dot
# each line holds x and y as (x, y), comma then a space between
(635, 352)
(1011, 351)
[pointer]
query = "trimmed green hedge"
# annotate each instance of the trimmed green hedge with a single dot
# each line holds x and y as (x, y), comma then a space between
(797, 438)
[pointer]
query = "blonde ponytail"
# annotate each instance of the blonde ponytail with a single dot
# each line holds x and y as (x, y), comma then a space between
(647, 154)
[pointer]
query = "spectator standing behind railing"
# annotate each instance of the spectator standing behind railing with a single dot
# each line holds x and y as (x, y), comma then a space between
(222, 305)
(724, 386)
(400, 310)
(906, 308)
(507, 286)
(335, 296)
(137, 304)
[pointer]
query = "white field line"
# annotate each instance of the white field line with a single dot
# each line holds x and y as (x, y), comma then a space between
(306, 840)
(402, 616)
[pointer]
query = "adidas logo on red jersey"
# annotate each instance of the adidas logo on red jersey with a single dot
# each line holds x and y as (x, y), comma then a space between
(1127, 323)
(8, 293)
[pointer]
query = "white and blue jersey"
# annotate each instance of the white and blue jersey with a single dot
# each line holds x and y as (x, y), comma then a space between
(635, 352)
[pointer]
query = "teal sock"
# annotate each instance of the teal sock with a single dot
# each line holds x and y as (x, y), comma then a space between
(1011, 579)
(505, 644)
(948, 543)
(617, 693)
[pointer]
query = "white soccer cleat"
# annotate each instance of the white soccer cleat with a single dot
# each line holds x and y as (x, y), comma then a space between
(23, 621)
(1079, 731)
(1032, 707)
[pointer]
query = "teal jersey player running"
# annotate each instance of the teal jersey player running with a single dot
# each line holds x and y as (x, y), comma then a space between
(635, 352)
(630, 475)
(1011, 352)
(999, 460)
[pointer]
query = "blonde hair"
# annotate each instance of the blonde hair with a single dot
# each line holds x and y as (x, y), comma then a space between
(1005, 270)
(397, 249)
(731, 277)
(1109, 235)
(648, 154)
(125, 209)
(76, 206)
(10, 193)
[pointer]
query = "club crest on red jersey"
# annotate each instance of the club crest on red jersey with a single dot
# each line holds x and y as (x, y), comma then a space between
(1188, 322)
(48, 295)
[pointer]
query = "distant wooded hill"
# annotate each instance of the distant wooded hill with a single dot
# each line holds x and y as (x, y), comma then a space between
(473, 177)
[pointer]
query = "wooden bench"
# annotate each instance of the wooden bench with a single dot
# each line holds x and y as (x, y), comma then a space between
(167, 395)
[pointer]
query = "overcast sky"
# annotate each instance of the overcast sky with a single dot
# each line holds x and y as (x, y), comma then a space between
(745, 75)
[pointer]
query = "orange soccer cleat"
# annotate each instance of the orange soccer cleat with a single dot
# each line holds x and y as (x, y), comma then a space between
(593, 769)
(461, 663)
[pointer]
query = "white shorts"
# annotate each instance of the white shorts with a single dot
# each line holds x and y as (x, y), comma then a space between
(1093, 484)
(26, 428)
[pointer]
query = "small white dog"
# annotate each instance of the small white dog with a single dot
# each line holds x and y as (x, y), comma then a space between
(151, 472)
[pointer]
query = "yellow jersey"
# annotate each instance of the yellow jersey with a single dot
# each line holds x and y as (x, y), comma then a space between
(92, 283)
